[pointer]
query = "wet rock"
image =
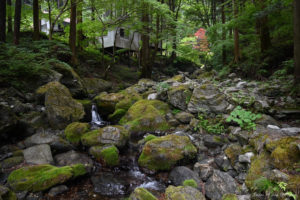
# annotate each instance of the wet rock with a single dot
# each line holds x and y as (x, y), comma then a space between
(184, 117)
(183, 193)
(164, 152)
(206, 98)
(109, 185)
(61, 108)
(246, 158)
(179, 96)
(56, 143)
(218, 184)
(179, 174)
(72, 158)
(292, 131)
(141, 194)
(107, 102)
(116, 135)
(39, 154)
(223, 163)
(42, 177)
(57, 190)
(95, 86)
(150, 120)
(152, 96)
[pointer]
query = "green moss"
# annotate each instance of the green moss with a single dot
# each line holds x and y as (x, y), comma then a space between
(18, 153)
(164, 152)
(117, 115)
(149, 137)
(9, 196)
(259, 165)
(146, 115)
(91, 138)
(229, 197)
(11, 162)
(38, 178)
(232, 152)
(190, 182)
(107, 102)
(178, 78)
(75, 130)
(78, 170)
(183, 193)
(142, 194)
(84, 102)
(110, 155)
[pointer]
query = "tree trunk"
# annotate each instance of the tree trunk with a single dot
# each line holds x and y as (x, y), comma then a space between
(36, 29)
(236, 33)
(50, 20)
(223, 33)
(145, 51)
(17, 22)
(9, 17)
(72, 37)
(3, 21)
(80, 36)
(297, 40)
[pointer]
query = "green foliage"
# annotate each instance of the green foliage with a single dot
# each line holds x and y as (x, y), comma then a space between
(190, 182)
(245, 119)
(263, 184)
(175, 111)
(214, 126)
(162, 86)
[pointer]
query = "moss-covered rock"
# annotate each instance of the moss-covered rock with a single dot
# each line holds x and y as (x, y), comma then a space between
(294, 184)
(61, 108)
(284, 152)
(179, 96)
(108, 154)
(183, 193)
(75, 130)
(117, 115)
(233, 152)
(11, 162)
(146, 116)
(95, 86)
(229, 197)
(260, 165)
(116, 135)
(190, 182)
(7, 194)
(42, 177)
(107, 102)
(162, 153)
(142, 194)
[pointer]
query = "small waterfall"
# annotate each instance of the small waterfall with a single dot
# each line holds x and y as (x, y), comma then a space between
(96, 119)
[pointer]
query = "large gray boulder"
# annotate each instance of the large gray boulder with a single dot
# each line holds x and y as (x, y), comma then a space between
(218, 184)
(207, 98)
(61, 108)
(179, 96)
(39, 154)
(179, 174)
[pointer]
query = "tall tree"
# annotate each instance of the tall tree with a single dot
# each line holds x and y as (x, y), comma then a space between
(3, 21)
(80, 36)
(297, 40)
(262, 25)
(72, 37)
(9, 17)
(17, 22)
(36, 28)
(235, 4)
(223, 32)
(145, 50)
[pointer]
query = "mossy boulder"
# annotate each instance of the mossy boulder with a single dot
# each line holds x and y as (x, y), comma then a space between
(87, 105)
(42, 177)
(284, 152)
(11, 162)
(179, 96)
(107, 102)
(108, 154)
(233, 152)
(146, 116)
(229, 197)
(190, 182)
(142, 194)
(75, 130)
(7, 194)
(162, 153)
(260, 166)
(117, 115)
(95, 86)
(183, 193)
(116, 135)
(206, 98)
(61, 108)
